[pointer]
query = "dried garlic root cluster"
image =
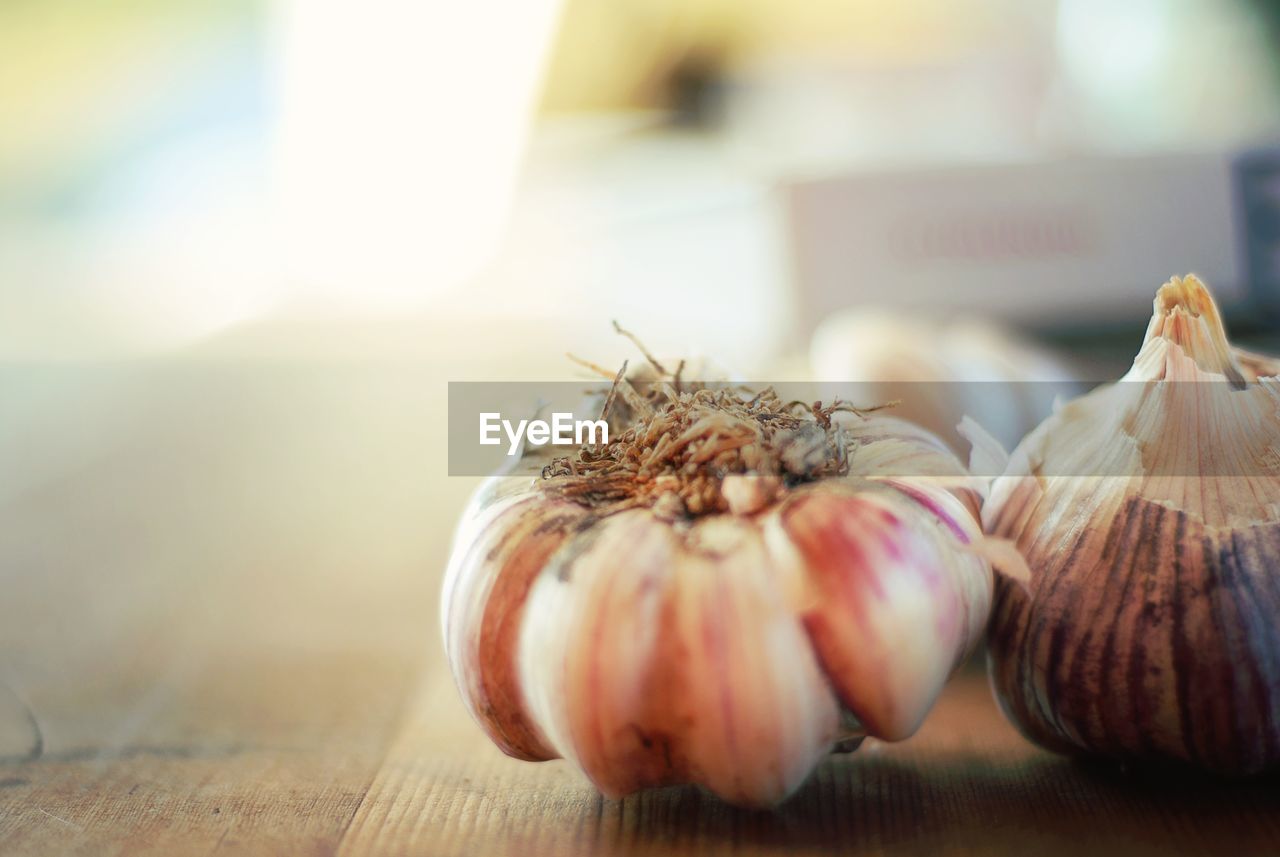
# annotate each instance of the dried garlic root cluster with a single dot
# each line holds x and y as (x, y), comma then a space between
(729, 590)
(1149, 515)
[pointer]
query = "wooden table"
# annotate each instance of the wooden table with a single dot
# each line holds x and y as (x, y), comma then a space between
(219, 606)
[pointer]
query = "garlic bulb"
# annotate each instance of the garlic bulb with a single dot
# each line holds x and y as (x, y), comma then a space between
(722, 595)
(943, 371)
(1149, 515)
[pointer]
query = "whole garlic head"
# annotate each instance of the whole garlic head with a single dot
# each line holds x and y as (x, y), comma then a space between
(722, 596)
(943, 371)
(1149, 514)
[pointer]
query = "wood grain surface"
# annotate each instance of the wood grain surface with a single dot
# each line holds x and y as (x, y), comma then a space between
(219, 610)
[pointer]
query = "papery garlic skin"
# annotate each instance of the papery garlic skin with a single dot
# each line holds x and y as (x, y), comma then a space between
(731, 650)
(1149, 514)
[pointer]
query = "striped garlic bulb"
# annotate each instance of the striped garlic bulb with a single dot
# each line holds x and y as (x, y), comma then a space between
(1149, 515)
(722, 595)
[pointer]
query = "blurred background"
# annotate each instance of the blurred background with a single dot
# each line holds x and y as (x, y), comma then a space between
(175, 172)
(244, 245)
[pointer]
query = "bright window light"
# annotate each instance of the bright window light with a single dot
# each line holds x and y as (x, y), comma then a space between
(401, 124)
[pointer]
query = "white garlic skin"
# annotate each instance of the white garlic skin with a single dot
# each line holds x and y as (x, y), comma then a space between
(1150, 628)
(943, 371)
(734, 651)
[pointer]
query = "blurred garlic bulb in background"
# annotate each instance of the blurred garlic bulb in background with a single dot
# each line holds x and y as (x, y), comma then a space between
(942, 371)
(1149, 514)
(730, 589)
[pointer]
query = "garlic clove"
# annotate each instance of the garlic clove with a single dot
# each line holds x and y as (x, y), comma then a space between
(762, 713)
(676, 664)
(592, 654)
(888, 616)
(486, 586)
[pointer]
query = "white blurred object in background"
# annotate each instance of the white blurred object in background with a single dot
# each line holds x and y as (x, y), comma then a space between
(1159, 74)
(1040, 243)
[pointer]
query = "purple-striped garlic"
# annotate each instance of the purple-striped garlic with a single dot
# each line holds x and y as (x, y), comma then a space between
(1149, 515)
(728, 591)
